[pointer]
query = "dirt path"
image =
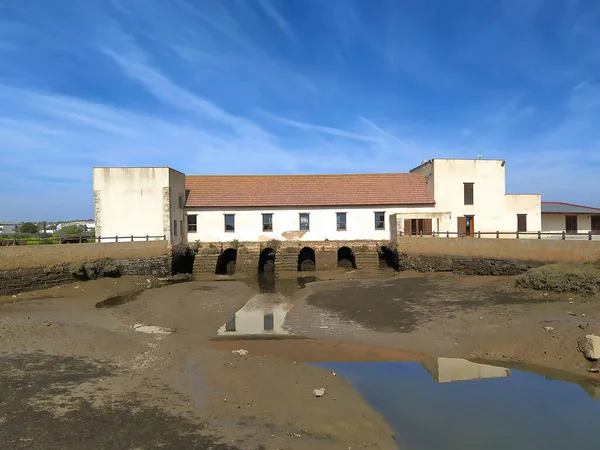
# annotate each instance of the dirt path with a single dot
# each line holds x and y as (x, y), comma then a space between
(80, 369)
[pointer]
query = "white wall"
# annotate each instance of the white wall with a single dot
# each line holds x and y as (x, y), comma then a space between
(492, 208)
(136, 201)
(177, 213)
(557, 223)
(360, 224)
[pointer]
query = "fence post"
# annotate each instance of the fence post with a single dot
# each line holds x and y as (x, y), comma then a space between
(164, 237)
(589, 235)
(147, 238)
(517, 234)
(539, 235)
(132, 238)
(479, 235)
(116, 238)
(563, 236)
(497, 235)
(447, 234)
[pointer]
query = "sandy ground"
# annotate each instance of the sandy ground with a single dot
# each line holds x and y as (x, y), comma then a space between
(77, 374)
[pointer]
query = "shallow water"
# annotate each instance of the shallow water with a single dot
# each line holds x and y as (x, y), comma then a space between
(454, 404)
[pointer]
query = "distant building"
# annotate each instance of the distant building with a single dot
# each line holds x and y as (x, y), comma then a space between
(572, 219)
(8, 227)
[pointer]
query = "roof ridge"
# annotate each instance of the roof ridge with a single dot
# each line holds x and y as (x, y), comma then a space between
(570, 204)
(304, 174)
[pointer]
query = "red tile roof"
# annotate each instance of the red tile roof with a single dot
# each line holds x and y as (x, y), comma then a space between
(307, 190)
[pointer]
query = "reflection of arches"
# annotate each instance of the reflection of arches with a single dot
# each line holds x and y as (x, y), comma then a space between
(306, 260)
(388, 258)
(266, 261)
(346, 258)
(226, 262)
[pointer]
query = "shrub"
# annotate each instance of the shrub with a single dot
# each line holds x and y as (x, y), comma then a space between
(579, 278)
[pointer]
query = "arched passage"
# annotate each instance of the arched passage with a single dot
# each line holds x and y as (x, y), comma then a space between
(388, 258)
(346, 258)
(266, 261)
(306, 260)
(226, 262)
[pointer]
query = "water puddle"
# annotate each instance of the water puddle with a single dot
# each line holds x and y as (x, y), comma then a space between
(455, 404)
(265, 312)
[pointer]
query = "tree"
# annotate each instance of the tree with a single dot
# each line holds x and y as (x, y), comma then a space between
(72, 230)
(28, 228)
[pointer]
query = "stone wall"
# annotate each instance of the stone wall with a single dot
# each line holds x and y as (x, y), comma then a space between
(526, 250)
(286, 255)
(25, 268)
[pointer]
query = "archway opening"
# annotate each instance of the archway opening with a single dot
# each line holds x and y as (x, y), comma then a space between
(226, 262)
(266, 261)
(306, 260)
(346, 258)
(388, 258)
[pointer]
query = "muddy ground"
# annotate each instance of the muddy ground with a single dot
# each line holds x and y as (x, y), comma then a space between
(77, 374)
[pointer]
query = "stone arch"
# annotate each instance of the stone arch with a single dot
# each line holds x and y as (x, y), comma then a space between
(388, 258)
(346, 258)
(307, 260)
(266, 261)
(226, 263)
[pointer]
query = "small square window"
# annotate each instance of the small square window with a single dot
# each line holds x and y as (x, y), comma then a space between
(230, 223)
(380, 220)
(267, 222)
(522, 223)
(174, 228)
(469, 194)
(192, 223)
(304, 222)
(341, 221)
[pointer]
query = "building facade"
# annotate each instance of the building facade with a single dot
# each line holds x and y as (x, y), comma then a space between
(558, 217)
(439, 196)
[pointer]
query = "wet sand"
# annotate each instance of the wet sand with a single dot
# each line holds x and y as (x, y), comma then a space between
(185, 388)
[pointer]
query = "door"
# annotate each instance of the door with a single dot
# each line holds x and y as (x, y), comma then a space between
(461, 226)
(470, 225)
(571, 224)
(595, 224)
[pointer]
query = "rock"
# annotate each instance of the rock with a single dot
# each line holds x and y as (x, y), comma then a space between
(46, 323)
(319, 392)
(240, 352)
(594, 370)
(548, 328)
(571, 313)
(590, 347)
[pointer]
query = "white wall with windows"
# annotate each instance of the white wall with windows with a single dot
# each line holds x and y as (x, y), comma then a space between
(583, 223)
(476, 189)
(308, 224)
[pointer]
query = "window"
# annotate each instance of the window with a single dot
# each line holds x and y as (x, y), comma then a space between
(341, 221)
(380, 220)
(521, 223)
(181, 202)
(230, 223)
(304, 222)
(181, 226)
(268, 321)
(192, 223)
(468, 193)
(267, 222)
(571, 224)
(174, 228)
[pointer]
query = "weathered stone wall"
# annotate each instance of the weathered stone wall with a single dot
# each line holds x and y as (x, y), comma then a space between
(465, 265)
(286, 255)
(38, 267)
(543, 250)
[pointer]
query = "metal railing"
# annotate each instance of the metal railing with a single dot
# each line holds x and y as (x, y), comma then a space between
(589, 236)
(131, 238)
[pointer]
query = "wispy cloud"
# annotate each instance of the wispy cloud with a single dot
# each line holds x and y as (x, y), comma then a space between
(283, 87)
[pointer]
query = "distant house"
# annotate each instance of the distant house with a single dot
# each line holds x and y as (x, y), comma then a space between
(572, 219)
(8, 227)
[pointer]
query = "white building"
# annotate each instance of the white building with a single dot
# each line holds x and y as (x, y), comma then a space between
(441, 195)
(560, 217)
(133, 203)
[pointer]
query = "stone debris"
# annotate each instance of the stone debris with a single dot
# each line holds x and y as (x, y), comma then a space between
(590, 347)
(319, 392)
(548, 328)
(150, 329)
(46, 323)
(594, 370)
(241, 352)
(571, 313)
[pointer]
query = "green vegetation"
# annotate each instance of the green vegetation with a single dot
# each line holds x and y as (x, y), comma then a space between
(578, 278)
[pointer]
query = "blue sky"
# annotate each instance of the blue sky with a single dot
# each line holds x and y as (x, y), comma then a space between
(294, 86)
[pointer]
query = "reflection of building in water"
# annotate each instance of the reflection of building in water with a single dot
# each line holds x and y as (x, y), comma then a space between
(258, 316)
(446, 370)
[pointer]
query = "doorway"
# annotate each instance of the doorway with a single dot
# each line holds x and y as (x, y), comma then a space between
(571, 224)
